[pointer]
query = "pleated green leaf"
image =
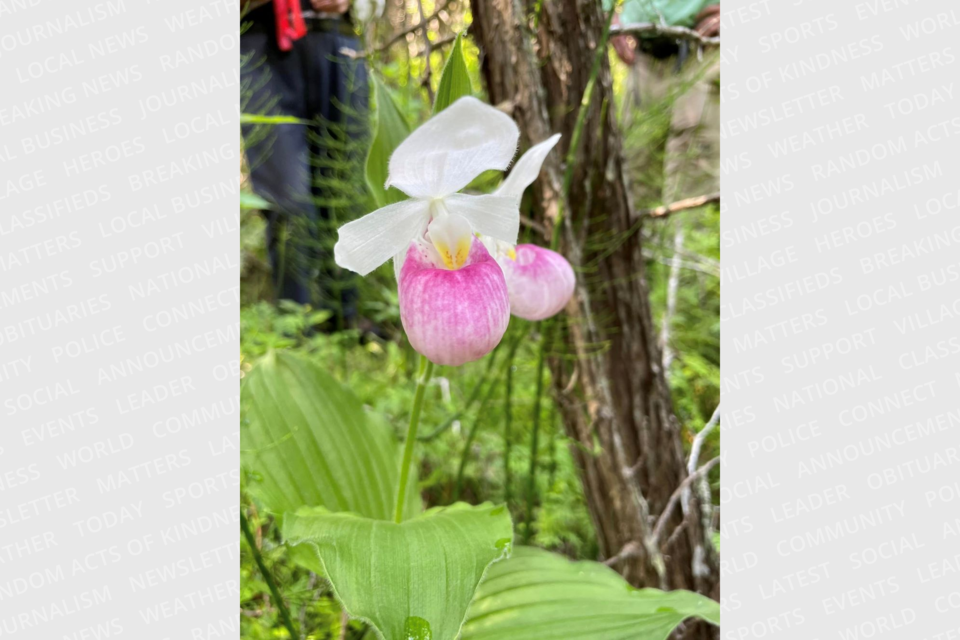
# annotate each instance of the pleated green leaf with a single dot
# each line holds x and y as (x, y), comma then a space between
(306, 441)
(410, 581)
(390, 129)
(455, 79)
(538, 595)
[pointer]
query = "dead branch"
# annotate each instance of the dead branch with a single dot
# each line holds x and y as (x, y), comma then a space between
(533, 224)
(701, 437)
(403, 33)
(675, 498)
(680, 205)
(630, 550)
(673, 284)
(426, 39)
(652, 29)
(358, 55)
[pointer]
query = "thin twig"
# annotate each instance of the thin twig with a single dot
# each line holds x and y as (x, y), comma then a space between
(267, 576)
(673, 284)
(480, 414)
(403, 33)
(665, 516)
(533, 224)
(474, 395)
(344, 624)
(630, 550)
(426, 38)
(311, 584)
(680, 205)
(650, 28)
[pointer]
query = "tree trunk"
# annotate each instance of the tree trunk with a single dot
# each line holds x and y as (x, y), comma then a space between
(620, 396)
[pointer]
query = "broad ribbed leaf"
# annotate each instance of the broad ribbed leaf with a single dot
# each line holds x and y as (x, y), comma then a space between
(306, 441)
(410, 581)
(538, 595)
(455, 79)
(390, 130)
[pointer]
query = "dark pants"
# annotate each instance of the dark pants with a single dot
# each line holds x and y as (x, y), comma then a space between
(301, 169)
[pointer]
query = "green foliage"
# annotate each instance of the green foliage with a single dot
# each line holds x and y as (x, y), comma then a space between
(250, 200)
(307, 442)
(455, 80)
(538, 595)
(413, 580)
(254, 118)
(535, 594)
(390, 129)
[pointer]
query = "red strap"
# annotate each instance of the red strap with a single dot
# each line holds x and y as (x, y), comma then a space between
(284, 10)
(299, 26)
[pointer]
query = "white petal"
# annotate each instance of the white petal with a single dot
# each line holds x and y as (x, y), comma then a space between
(368, 242)
(527, 168)
(451, 149)
(489, 215)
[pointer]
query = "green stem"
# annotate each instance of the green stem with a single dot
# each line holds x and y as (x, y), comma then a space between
(535, 437)
(267, 576)
(507, 435)
(470, 438)
(515, 343)
(474, 394)
(426, 370)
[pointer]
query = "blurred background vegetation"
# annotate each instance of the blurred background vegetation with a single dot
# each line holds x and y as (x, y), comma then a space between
(380, 368)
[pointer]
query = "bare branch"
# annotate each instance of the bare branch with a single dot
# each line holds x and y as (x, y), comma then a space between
(653, 29)
(673, 284)
(680, 205)
(358, 55)
(533, 224)
(630, 550)
(701, 437)
(403, 33)
(675, 497)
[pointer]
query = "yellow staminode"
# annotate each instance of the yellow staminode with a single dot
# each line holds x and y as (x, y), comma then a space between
(457, 258)
(452, 238)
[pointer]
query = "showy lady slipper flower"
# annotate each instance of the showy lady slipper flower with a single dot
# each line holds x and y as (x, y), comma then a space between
(454, 303)
(540, 281)
(435, 162)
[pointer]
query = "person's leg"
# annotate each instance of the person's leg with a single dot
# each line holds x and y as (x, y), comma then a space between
(693, 150)
(338, 97)
(278, 158)
(647, 113)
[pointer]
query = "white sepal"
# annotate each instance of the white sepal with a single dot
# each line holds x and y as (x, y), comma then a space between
(451, 149)
(368, 242)
(526, 170)
(489, 215)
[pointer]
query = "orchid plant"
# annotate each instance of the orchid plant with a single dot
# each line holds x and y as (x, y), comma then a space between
(460, 276)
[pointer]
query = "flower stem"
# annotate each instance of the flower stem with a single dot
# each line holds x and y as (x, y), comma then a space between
(426, 370)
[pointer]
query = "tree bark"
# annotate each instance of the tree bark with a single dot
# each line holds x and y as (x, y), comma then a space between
(620, 397)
